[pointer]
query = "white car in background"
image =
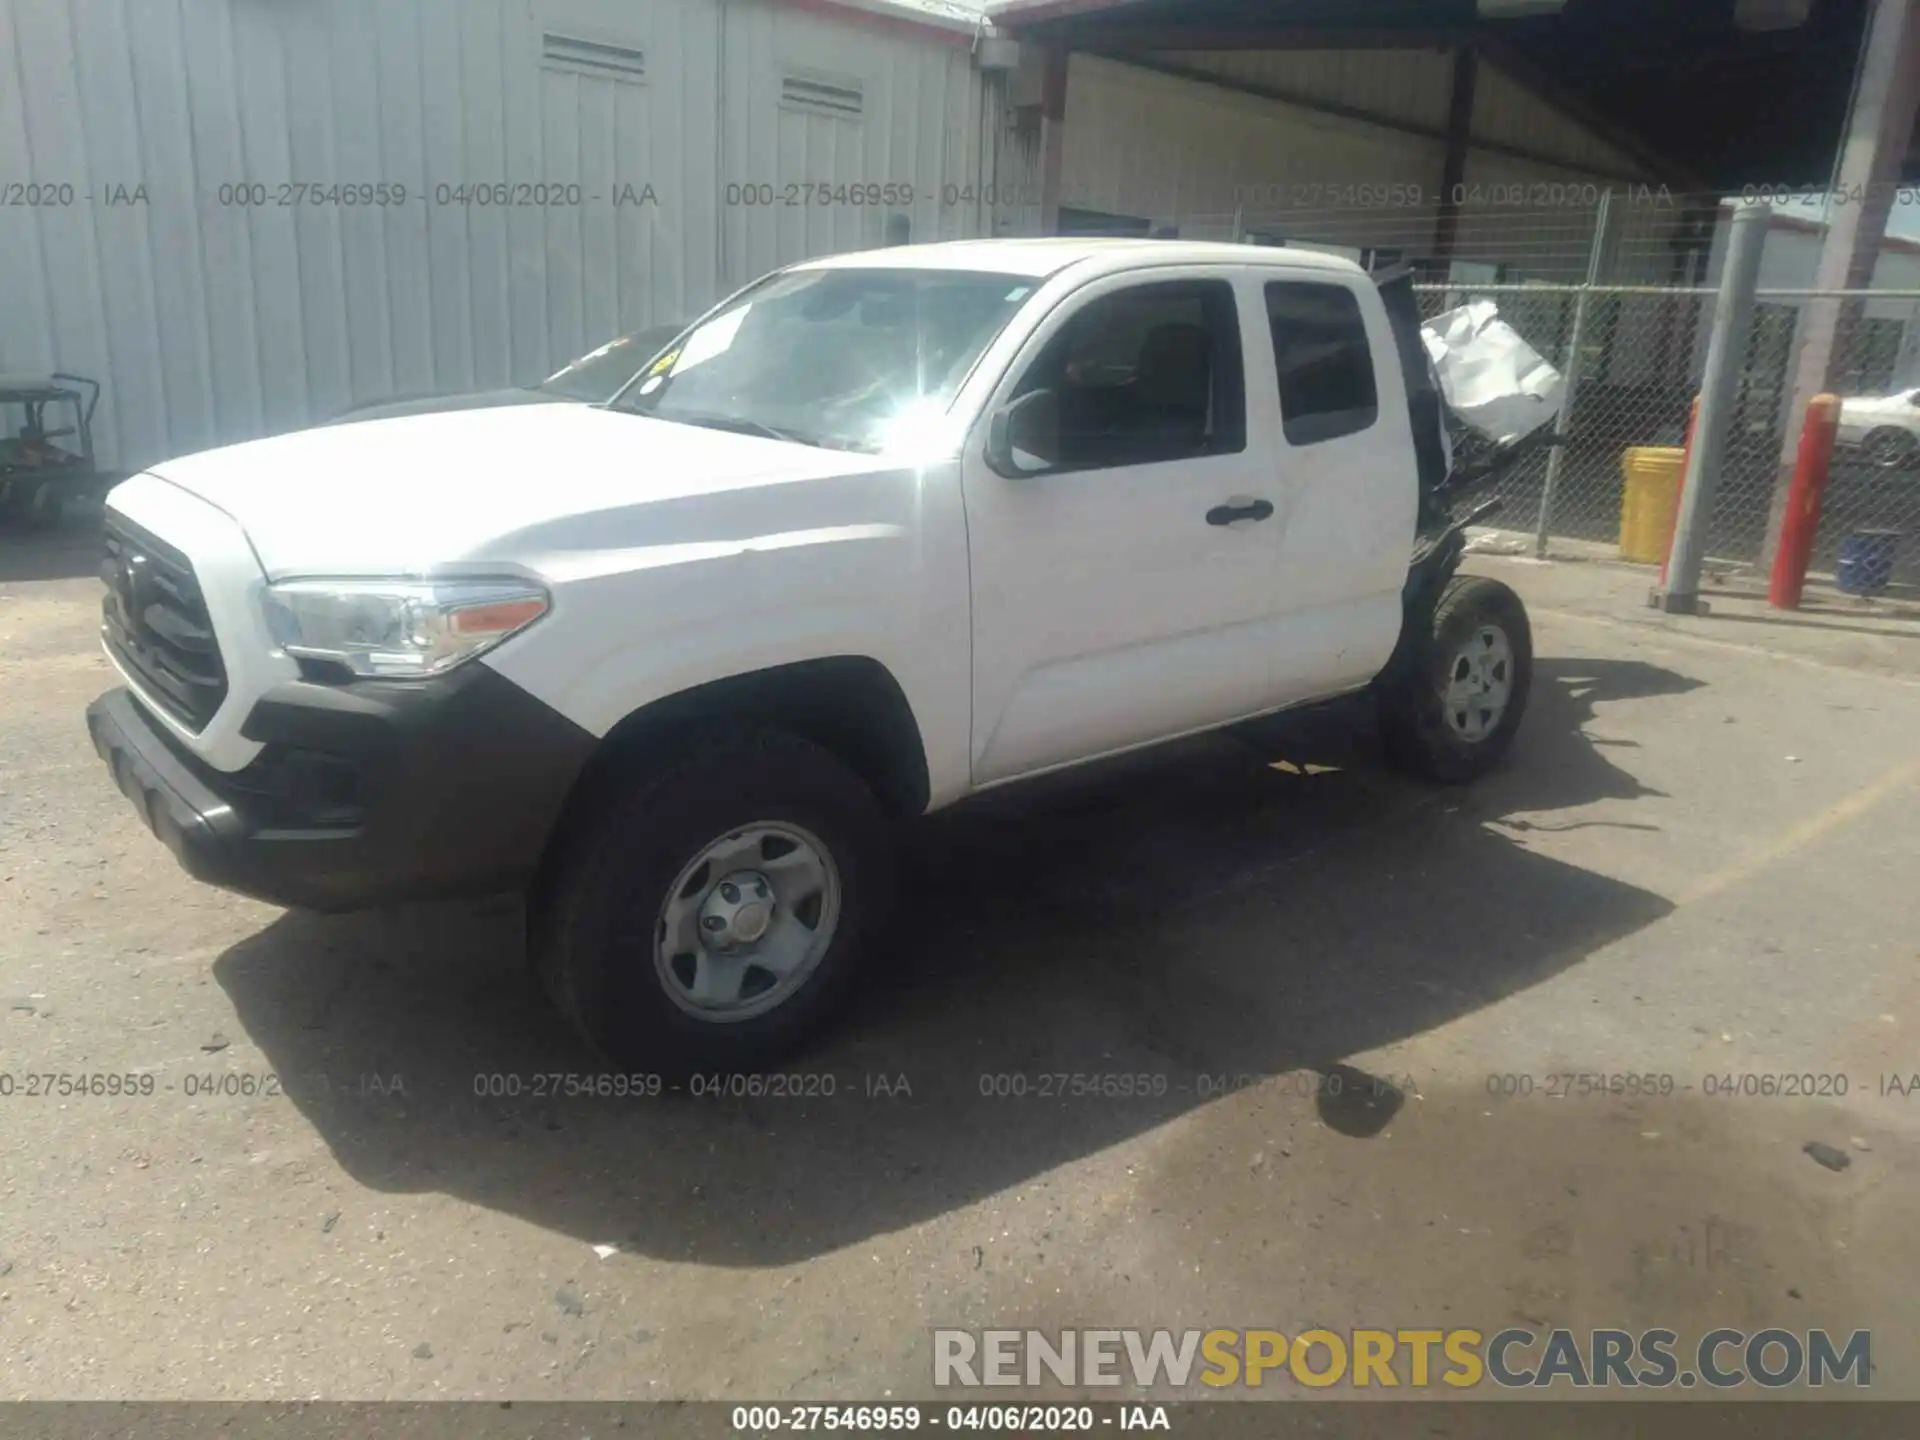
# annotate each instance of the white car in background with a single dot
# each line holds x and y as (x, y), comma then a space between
(1883, 428)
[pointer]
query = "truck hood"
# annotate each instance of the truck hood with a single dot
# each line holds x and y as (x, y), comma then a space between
(521, 485)
(439, 404)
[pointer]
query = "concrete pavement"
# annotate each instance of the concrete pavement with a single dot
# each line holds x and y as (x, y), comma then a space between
(346, 1184)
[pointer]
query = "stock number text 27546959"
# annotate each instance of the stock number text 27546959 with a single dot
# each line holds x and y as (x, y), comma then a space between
(287, 194)
(800, 194)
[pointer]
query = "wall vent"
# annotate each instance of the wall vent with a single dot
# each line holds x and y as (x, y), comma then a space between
(591, 57)
(837, 95)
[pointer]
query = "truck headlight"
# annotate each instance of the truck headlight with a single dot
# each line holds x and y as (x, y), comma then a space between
(398, 629)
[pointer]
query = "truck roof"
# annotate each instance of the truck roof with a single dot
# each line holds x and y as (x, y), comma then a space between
(1037, 258)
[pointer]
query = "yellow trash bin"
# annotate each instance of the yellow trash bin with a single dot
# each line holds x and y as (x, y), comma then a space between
(1649, 501)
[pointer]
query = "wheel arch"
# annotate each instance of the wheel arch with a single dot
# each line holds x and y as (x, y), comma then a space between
(849, 705)
(1905, 440)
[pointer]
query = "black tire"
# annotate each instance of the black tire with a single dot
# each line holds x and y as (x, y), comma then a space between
(595, 919)
(1420, 738)
(1891, 449)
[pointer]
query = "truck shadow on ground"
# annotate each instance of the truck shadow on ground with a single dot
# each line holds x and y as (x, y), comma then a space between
(1244, 905)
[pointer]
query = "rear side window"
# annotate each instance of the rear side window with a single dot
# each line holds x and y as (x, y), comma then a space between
(1326, 369)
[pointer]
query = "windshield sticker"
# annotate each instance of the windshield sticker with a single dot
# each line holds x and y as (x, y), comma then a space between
(711, 339)
(664, 363)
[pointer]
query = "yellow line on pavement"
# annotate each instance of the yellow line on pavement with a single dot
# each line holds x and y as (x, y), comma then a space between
(1798, 837)
(1655, 633)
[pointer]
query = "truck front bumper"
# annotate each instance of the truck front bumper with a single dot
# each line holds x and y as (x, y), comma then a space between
(364, 794)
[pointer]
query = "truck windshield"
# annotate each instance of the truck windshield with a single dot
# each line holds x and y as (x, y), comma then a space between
(843, 359)
(598, 375)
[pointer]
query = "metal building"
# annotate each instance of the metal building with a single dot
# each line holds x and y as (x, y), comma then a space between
(244, 216)
(1279, 141)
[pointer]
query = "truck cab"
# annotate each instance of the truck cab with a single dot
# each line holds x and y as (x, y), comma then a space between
(877, 533)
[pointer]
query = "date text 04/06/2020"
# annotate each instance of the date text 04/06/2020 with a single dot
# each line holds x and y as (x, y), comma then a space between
(988, 1419)
(1723, 1085)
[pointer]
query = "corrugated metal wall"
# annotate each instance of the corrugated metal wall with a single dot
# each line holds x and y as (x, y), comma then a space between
(1507, 112)
(920, 132)
(214, 314)
(1184, 150)
(216, 303)
(1411, 86)
(1139, 143)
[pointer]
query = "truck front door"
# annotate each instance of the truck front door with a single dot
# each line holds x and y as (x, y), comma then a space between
(1124, 582)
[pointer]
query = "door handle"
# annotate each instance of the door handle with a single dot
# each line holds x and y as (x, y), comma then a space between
(1245, 510)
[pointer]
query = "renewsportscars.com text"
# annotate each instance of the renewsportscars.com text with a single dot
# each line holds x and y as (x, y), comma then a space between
(1417, 1359)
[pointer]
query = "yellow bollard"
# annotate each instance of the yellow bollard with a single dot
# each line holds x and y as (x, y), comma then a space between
(1650, 501)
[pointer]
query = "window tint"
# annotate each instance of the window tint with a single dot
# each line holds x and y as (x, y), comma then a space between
(1147, 374)
(1326, 369)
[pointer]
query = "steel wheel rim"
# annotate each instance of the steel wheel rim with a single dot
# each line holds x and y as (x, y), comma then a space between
(1479, 684)
(1888, 451)
(746, 922)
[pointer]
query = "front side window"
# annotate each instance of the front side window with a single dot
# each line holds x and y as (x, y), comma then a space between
(1325, 366)
(1147, 374)
(845, 359)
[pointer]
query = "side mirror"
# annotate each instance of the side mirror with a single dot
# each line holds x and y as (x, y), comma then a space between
(1024, 438)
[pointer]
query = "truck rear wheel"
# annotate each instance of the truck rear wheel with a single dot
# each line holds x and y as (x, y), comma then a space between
(710, 915)
(1451, 711)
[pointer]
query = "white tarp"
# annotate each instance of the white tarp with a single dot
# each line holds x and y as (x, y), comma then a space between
(1492, 379)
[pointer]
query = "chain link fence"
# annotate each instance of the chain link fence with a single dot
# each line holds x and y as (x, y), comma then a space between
(1622, 236)
(1641, 354)
(1626, 276)
(1632, 394)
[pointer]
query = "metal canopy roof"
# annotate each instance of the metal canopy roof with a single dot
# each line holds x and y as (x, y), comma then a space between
(1678, 82)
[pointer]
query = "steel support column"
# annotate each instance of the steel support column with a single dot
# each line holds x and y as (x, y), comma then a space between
(1866, 173)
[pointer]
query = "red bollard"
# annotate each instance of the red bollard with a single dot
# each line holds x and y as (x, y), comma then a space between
(1693, 423)
(1801, 523)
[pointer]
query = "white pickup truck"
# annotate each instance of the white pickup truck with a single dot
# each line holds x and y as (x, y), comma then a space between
(877, 533)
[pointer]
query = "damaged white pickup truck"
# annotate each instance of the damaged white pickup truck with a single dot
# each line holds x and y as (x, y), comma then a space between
(877, 533)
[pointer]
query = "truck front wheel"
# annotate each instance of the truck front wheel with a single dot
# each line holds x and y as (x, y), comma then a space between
(710, 914)
(1450, 712)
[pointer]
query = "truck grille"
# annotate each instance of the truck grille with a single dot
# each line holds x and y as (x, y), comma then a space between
(157, 625)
